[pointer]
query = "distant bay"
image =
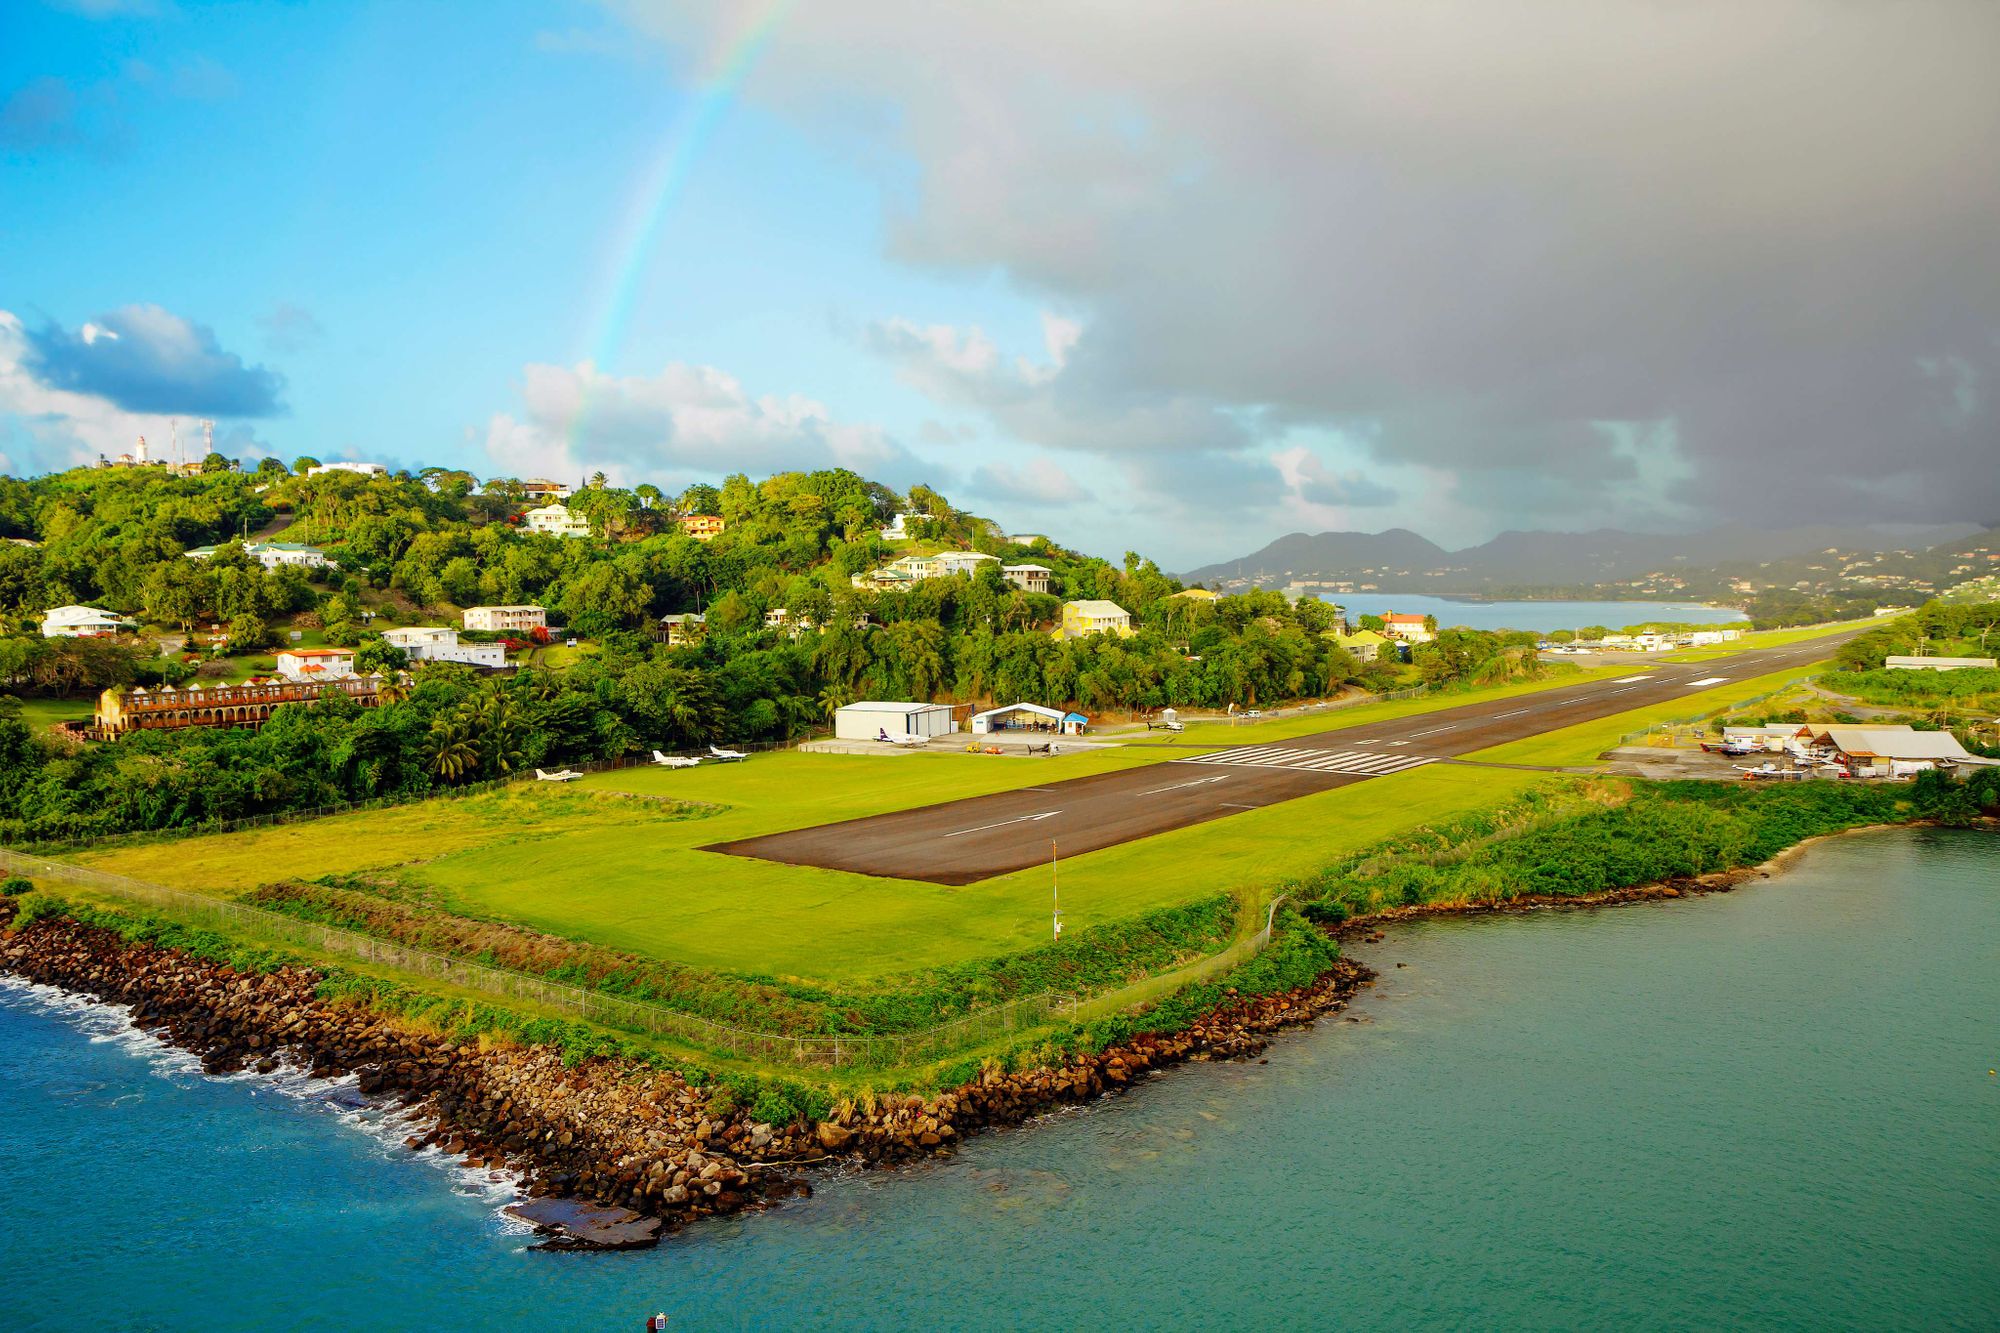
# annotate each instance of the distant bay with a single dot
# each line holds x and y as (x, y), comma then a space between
(1542, 617)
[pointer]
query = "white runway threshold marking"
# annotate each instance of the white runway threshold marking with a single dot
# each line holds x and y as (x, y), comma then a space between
(1712, 680)
(1024, 819)
(1311, 761)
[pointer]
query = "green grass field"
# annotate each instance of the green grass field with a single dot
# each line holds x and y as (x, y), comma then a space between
(587, 863)
(40, 714)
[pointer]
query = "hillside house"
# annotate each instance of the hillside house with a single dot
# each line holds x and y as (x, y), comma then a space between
(1095, 616)
(1029, 578)
(439, 643)
(80, 622)
(316, 663)
(506, 619)
(683, 627)
(545, 491)
(556, 520)
(703, 527)
(1407, 628)
(1363, 645)
(273, 555)
(358, 469)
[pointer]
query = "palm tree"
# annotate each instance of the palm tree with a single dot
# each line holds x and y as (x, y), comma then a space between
(453, 755)
(499, 744)
(834, 698)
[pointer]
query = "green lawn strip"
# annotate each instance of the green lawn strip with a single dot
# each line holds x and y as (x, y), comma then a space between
(41, 714)
(1584, 742)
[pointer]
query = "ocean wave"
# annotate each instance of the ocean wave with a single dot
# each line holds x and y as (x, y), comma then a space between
(387, 1122)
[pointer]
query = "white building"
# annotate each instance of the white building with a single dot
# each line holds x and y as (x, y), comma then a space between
(1939, 663)
(541, 488)
(1028, 578)
(1702, 637)
(358, 469)
(439, 643)
(1408, 628)
(1879, 751)
(1028, 717)
(898, 529)
(867, 721)
(557, 521)
(499, 618)
(80, 622)
(273, 555)
(316, 663)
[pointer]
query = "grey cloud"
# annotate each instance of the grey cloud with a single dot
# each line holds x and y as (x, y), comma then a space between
(145, 359)
(1472, 234)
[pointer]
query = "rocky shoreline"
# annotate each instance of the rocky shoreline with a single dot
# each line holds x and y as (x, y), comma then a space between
(636, 1150)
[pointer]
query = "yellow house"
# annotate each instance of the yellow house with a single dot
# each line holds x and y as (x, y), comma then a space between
(1197, 595)
(1366, 645)
(1095, 617)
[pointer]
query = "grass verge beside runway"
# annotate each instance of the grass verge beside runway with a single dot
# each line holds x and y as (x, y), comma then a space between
(1764, 638)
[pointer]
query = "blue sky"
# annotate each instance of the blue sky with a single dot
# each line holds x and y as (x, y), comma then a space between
(1182, 302)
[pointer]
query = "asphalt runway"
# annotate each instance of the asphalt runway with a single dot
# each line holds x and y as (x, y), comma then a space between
(963, 842)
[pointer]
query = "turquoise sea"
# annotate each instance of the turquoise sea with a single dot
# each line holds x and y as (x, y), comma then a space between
(1765, 1109)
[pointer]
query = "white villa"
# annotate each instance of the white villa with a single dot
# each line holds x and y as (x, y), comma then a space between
(80, 622)
(273, 555)
(358, 469)
(316, 663)
(1028, 578)
(557, 521)
(439, 643)
(506, 617)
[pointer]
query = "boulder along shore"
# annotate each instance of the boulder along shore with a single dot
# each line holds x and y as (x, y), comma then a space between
(648, 1150)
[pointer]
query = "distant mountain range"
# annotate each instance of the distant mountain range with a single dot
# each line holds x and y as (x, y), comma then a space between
(1402, 561)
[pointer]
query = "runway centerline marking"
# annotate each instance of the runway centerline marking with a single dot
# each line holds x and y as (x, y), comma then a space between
(1024, 819)
(1516, 713)
(1630, 680)
(1198, 782)
(1432, 732)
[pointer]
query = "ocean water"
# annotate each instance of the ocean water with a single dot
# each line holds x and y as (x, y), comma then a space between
(1543, 617)
(1766, 1109)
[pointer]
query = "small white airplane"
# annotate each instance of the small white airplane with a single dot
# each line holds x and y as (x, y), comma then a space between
(560, 775)
(675, 760)
(882, 734)
(1769, 771)
(720, 753)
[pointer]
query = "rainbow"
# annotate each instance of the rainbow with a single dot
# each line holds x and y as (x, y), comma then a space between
(665, 180)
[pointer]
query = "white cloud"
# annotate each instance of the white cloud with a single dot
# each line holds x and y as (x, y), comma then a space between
(685, 420)
(49, 429)
(1038, 481)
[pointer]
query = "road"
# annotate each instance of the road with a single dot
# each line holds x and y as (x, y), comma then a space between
(962, 842)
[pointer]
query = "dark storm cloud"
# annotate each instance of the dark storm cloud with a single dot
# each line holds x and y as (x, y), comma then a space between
(145, 359)
(1471, 235)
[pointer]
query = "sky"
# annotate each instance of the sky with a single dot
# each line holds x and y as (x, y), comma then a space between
(1177, 279)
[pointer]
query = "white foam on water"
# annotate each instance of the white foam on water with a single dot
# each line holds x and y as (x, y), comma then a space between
(388, 1123)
